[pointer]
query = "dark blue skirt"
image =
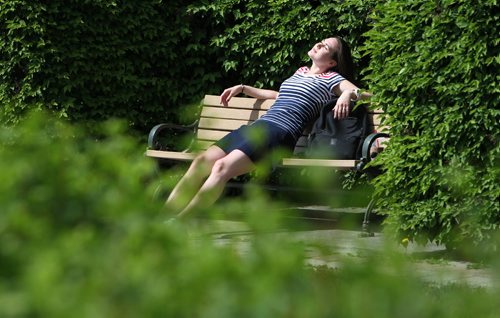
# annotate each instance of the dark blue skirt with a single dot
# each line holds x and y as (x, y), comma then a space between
(257, 140)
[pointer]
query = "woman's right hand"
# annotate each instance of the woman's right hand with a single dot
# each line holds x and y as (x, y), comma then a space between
(228, 93)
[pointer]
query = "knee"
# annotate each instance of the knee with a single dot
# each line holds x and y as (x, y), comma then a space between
(221, 170)
(201, 164)
(200, 160)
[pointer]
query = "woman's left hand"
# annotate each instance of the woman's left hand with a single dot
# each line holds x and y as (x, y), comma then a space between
(343, 106)
(229, 93)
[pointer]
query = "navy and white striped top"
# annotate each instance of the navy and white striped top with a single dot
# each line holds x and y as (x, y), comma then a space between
(300, 100)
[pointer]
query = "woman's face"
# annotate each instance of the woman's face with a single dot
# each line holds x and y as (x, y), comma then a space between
(321, 52)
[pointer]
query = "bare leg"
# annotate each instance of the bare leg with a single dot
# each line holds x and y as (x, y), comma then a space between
(234, 164)
(192, 180)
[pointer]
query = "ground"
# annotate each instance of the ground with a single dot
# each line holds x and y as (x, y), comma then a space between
(329, 246)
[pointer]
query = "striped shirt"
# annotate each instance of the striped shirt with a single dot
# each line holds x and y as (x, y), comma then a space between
(300, 100)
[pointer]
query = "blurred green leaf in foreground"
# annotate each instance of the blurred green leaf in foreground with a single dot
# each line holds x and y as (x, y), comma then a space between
(81, 236)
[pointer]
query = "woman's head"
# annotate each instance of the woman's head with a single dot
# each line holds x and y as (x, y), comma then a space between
(333, 54)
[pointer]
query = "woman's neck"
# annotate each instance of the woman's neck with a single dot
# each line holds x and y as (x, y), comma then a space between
(314, 69)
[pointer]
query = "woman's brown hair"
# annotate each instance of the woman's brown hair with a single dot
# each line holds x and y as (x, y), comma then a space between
(343, 57)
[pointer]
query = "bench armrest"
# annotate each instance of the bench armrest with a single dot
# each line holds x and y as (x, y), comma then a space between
(366, 155)
(155, 132)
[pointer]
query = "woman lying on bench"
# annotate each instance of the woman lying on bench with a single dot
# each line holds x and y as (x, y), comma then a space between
(298, 101)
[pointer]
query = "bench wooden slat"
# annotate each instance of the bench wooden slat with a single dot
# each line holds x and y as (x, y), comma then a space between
(239, 102)
(183, 156)
(376, 119)
(344, 164)
(189, 156)
(222, 124)
(252, 103)
(383, 128)
(301, 145)
(225, 124)
(247, 114)
(204, 144)
(214, 135)
(232, 113)
(204, 134)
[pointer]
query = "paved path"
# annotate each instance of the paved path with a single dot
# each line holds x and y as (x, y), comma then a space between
(348, 244)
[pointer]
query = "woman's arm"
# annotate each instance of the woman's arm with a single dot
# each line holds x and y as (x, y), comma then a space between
(259, 93)
(347, 92)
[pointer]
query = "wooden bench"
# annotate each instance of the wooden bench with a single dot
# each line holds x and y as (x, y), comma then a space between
(216, 121)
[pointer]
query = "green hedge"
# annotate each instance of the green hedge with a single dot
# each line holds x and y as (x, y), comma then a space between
(434, 69)
(263, 42)
(92, 60)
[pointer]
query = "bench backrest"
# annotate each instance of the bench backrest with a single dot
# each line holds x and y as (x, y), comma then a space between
(216, 120)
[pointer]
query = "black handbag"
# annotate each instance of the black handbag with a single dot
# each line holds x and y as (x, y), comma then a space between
(332, 138)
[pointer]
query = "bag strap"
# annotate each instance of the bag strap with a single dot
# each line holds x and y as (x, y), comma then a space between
(363, 131)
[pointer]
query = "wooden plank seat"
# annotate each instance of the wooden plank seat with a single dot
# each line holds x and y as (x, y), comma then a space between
(216, 121)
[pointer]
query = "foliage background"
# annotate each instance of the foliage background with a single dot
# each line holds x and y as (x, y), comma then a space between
(263, 42)
(434, 69)
(431, 64)
(93, 60)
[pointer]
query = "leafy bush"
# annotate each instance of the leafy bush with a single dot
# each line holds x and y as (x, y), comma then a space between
(93, 60)
(263, 42)
(81, 237)
(434, 71)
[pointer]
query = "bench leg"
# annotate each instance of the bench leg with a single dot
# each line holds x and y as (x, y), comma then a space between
(366, 221)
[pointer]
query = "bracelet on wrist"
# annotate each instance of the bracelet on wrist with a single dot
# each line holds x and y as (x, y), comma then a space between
(358, 93)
